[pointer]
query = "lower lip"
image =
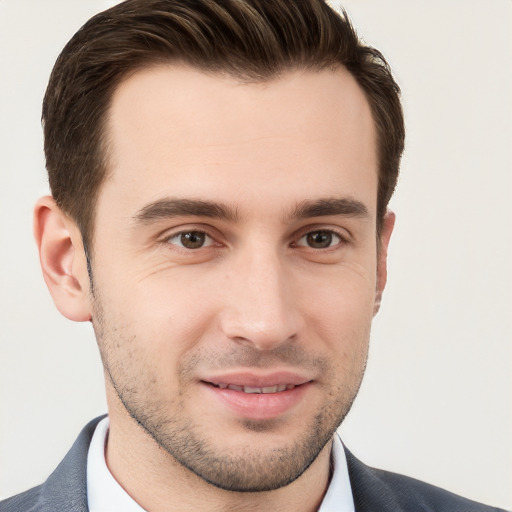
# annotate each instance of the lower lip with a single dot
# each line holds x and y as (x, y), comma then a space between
(258, 406)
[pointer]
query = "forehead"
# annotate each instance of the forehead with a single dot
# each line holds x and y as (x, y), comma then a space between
(178, 131)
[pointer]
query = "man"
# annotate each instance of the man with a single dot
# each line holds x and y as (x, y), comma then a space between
(220, 175)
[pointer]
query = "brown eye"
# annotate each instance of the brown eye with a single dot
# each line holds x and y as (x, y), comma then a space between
(191, 239)
(321, 239)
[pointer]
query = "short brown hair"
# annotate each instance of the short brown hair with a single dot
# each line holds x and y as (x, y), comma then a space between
(252, 40)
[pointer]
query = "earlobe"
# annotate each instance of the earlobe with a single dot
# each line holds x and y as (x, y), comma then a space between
(62, 260)
(388, 224)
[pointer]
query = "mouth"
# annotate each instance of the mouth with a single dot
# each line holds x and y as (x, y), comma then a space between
(257, 397)
(278, 388)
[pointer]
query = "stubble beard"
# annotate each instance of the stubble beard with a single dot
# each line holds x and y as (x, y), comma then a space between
(251, 469)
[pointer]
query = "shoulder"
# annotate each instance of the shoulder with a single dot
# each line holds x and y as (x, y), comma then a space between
(376, 489)
(65, 489)
(26, 501)
(410, 491)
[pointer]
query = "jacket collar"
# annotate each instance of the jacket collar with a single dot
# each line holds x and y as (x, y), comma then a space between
(369, 489)
(66, 487)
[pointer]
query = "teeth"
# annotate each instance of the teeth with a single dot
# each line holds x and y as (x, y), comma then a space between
(248, 389)
(254, 390)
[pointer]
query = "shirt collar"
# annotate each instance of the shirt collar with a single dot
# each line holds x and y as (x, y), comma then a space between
(338, 497)
(105, 494)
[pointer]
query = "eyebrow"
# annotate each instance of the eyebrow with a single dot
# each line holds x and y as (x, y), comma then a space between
(330, 206)
(175, 207)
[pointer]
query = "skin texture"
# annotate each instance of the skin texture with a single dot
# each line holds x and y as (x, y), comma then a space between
(235, 242)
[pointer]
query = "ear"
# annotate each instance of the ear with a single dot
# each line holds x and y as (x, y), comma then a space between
(63, 261)
(388, 224)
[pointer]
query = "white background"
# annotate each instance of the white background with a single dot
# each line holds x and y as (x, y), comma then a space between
(436, 402)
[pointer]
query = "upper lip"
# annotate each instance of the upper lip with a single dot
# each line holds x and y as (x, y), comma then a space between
(258, 380)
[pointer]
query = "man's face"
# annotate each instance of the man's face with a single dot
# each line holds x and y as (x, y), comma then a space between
(235, 266)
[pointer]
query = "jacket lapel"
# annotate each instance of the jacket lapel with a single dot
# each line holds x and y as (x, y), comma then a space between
(369, 491)
(66, 488)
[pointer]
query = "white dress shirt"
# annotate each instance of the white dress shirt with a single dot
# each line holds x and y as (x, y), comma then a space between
(104, 494)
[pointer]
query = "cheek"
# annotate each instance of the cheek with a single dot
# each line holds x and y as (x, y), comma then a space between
(139, 352)
(339, 308)
(344, 293)
(160, 317)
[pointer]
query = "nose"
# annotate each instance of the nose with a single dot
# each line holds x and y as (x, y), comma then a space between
(259, 306)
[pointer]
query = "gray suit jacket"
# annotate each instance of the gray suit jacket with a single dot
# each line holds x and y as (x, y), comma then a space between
(374, 490)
